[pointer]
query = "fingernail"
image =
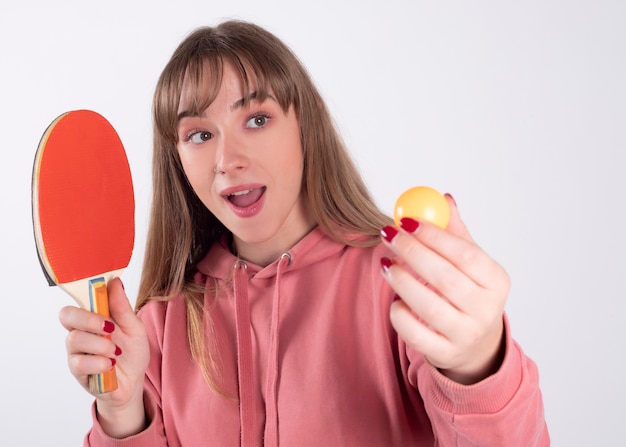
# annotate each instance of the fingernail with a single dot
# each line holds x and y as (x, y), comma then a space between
(450, 196)
(385, 262)
(108, 326)
(388, 233)
(409, 225)
(118, 350)
(396, 297)
(113, 362)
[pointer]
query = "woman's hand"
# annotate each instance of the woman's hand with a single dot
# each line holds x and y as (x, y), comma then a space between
(120, 412)
(452, 297)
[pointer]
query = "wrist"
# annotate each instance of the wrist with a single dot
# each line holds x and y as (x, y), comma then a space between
(122, 421)
(482, 368)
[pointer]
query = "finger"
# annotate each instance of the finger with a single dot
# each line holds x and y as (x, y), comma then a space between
(455, 253)
(456, 225)
(438, 271)
(82, 365)
(72, 317)
(416, 334)
(466, 256)
(80, 342)
(119, 306)
(435, 311)
(459, 228)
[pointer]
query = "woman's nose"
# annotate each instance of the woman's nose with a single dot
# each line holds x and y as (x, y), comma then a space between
(231, 155)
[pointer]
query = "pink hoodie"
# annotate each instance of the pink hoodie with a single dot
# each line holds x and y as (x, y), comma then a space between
(309, 358)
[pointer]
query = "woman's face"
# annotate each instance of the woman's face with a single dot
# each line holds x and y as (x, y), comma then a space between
(245, 163)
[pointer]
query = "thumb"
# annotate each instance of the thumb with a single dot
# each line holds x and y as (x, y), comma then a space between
(456, 225)
(120, 309)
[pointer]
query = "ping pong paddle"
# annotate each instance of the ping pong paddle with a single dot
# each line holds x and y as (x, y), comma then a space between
(83, 212)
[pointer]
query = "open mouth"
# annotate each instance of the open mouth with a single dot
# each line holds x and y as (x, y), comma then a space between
(245, 198)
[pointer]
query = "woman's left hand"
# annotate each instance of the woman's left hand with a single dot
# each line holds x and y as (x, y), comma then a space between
(452, 297)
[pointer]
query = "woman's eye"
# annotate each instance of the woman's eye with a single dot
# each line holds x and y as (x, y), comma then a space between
(257, 121)
(199, 137)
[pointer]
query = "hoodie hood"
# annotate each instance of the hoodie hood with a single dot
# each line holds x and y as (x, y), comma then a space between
(316, 245)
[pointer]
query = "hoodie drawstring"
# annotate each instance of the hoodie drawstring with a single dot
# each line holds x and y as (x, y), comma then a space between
(247, 411)
(246, 374)
(271, 387)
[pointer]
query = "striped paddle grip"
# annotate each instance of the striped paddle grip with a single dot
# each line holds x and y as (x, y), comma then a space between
(99, 303)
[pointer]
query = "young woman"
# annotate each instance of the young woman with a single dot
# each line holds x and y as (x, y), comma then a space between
(271, 311)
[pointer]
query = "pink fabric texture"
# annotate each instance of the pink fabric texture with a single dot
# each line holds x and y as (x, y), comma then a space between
(308, 357)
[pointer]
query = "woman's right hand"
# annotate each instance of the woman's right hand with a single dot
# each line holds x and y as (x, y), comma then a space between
(121, 412)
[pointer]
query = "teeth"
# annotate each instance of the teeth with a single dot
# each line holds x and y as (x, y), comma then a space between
(240, 193)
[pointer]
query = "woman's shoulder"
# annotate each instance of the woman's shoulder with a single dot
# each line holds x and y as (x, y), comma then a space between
(372, 251)
(163, 315)
(158, 307)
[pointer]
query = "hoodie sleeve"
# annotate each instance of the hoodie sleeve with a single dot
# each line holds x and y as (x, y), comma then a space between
(152, 436)
(153, 316)
(506, 408)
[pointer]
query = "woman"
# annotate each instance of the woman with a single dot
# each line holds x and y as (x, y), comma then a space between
(263, 317)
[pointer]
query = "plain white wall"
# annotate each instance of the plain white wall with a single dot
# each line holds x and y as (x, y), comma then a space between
(516, 108)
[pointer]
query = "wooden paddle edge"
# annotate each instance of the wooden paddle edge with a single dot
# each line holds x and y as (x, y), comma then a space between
(39, 244)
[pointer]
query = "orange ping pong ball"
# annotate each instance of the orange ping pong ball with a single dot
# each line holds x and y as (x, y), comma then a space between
(424, 203)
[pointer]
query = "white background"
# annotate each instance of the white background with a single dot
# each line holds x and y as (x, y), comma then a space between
(516, 108)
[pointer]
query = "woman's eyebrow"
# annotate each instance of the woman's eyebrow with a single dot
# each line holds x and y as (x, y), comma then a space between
(184, 114)
(247, 99)
(236, 105)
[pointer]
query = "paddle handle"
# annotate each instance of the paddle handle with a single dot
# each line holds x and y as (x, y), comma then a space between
(99, 303)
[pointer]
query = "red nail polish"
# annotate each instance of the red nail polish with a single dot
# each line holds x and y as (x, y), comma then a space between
(450, 196)
(108, 326)
(385, 262)
(409, 225)
(118, 350)
(388, 233)
(113, 362)
(396, 297)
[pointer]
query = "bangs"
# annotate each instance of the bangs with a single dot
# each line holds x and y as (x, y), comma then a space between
(203, 79)
(191, 82)
(201, 84)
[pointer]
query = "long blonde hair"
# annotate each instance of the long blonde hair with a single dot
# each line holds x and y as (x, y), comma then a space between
(181, 228)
